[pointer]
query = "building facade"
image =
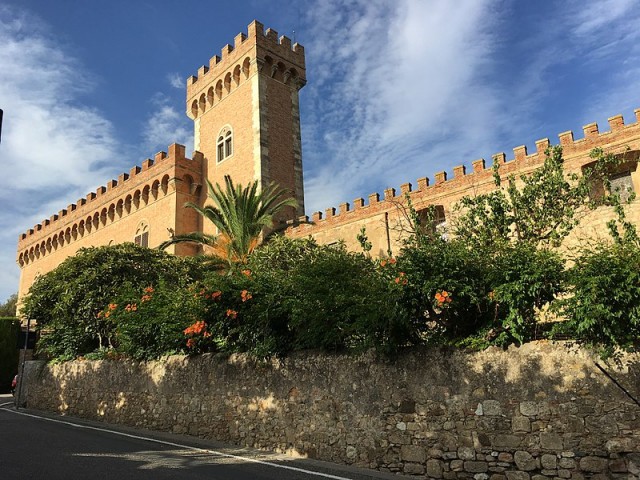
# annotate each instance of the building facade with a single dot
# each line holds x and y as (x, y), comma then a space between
(245, 110)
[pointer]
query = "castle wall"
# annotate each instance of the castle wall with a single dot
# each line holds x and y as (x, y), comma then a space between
(541, 411)
(384, 217)
(150, 196)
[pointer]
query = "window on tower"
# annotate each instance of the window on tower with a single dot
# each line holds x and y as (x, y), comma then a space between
(224, 144)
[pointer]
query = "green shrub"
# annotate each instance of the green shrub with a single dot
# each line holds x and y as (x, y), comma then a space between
(446, 295)
(66, 301)
(523, 280)
(296, 294)
(150, 322)
(9, 331)
(603, 308)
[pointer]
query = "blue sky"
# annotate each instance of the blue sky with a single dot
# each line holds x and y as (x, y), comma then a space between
(397, 89)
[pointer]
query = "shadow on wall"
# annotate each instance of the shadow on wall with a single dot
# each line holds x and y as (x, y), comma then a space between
(541, 408)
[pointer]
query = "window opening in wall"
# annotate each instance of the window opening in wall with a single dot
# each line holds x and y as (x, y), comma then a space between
(142, 239)
(227, 145)
(220, 149)
(142, 235)
(224, 144)
(622, 185)
(433, 220)
(620, 180)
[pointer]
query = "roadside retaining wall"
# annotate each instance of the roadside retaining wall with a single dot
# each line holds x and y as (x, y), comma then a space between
(530, 413)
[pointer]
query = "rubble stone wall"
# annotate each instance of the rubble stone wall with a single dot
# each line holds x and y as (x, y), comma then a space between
(539, 411)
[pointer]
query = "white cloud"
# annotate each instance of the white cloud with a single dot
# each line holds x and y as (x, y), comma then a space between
(592, 17)
(394, 84)
(165, 124)
(51, 146)
(176, 80)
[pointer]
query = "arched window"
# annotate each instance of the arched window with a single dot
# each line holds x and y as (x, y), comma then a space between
(224, 144)
(142, 235)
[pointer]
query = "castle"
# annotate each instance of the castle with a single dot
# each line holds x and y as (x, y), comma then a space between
(245, 110)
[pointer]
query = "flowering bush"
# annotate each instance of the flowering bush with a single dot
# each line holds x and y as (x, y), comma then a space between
(153, 322)
(603, 305)
(66, 301)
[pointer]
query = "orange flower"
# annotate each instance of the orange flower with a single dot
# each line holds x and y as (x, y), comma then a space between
(216, 295)
(148, 290)
(392, 261)
(246, 295)
(145, 298)
(232, 313)
(106, 315)
(100, 314)
(190, 343)
(402, 278)
(246, 273)
(195, 329)
(383, 263)
(206, 334)
(113, 306)
(443, 297)
(134, 307)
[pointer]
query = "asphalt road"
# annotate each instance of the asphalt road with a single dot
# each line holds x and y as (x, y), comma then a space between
(34, 446)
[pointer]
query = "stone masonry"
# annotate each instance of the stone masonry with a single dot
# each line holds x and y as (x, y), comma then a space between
(541, 411)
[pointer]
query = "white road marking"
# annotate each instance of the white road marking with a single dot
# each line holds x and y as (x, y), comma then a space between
(187, 447)
(5, 404)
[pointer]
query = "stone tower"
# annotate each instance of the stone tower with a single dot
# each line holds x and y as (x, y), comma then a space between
(246, 112)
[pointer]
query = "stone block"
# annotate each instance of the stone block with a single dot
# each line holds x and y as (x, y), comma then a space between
(517, 476)
(476, 467)
(551, 441)
(528, 409)
(566, 463)
(521, 424)
(413, 468)
(491, 407)
(618, 465)
(549, 461)
(508, 441)
(413, 453)
(525, 461)
(466, 453)
(505, 457)
(593, 464)
(434, 469)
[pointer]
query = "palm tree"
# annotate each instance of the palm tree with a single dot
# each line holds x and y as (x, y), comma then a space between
(241, 215)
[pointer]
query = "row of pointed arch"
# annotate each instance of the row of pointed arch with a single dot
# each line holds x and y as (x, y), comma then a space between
(130, 203)
(233, 79)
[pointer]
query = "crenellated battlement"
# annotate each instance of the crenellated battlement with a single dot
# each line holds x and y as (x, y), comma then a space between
(576, 154)
(157, 172)
(238, 59)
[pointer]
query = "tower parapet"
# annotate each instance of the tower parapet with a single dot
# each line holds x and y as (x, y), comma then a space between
(249, 52)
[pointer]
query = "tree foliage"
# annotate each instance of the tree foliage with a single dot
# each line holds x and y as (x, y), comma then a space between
(66, 301)
(9, 330)
(8, 308)
(240, 214)
(539, 208)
